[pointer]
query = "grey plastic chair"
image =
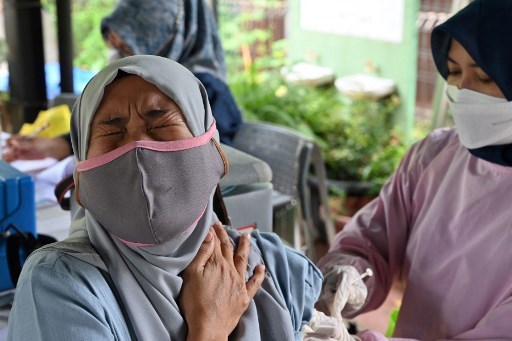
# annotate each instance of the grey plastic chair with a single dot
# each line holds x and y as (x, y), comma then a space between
(290, 155)
(247, 190)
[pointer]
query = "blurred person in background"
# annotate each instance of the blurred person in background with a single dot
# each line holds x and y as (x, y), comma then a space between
(184, 31)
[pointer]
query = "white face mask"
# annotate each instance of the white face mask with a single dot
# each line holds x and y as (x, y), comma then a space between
(481, 120)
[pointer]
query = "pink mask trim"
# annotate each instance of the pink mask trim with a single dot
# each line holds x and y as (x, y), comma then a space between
(161, 146)
(134, 243)
(194, 224)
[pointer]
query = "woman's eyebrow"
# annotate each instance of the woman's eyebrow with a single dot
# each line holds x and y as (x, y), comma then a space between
(115, 120)
(450, 59)
(163, 111)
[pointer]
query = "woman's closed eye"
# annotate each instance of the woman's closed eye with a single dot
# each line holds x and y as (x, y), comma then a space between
(454, 72)
(108, 129)
(113, 133)
(157, 113)
(485, 79)
(162, 118)
(166, 124)
(159, 119)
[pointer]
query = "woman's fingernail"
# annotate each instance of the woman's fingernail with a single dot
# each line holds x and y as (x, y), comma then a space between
(209, 236)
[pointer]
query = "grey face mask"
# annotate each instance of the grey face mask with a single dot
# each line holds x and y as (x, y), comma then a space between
(148, 192)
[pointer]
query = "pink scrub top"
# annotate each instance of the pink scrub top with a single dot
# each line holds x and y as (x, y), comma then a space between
(443, 222)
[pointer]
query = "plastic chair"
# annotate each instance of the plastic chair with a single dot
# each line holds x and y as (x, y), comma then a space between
(247, 190)
(290, 155)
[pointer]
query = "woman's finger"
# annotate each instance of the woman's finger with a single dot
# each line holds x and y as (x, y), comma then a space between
(204, 254)
(226, 245)
(242, 254)
(254, 283)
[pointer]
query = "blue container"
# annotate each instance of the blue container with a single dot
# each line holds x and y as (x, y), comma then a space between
(17, 207)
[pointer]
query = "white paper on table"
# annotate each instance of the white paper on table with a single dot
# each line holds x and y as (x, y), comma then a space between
(47, 173)
(58, 171)
(33, 167)
(46, 180)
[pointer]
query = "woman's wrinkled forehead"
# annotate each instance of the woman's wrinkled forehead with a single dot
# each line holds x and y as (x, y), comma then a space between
(127, 88)
(171, 78)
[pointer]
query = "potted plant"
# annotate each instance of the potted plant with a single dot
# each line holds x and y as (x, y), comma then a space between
(360, 146)
(359, 143)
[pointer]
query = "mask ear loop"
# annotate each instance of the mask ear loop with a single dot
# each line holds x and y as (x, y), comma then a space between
(218, 202)
(77, 197)
(223, 156)
(219, 207)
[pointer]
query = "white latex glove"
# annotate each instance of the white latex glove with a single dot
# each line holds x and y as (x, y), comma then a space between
(343, 291)
(326, 328)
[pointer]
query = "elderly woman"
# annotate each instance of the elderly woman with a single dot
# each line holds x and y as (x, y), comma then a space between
(443, 220)
(142, 261)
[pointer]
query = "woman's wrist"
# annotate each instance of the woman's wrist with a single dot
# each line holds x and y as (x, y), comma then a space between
(201, 334)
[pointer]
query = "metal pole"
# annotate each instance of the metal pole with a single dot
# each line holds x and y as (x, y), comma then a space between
(24, 36)
(65, 40)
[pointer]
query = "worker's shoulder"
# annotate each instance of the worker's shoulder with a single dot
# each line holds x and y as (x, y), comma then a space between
(441, 140)
(443, 135)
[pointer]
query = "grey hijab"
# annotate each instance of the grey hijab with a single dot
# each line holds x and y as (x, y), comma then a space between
(148, 279)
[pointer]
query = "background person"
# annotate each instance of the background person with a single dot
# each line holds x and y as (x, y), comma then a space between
(442, 222)
(184, 31)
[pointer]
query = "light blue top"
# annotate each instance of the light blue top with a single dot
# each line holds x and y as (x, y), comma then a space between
(60, 297)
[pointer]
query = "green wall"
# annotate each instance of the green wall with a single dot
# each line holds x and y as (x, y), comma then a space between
(348, 55)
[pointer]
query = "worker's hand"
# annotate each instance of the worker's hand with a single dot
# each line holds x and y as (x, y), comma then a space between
(343, 291)
(325, 328)
(215, 293)
(22, 148)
